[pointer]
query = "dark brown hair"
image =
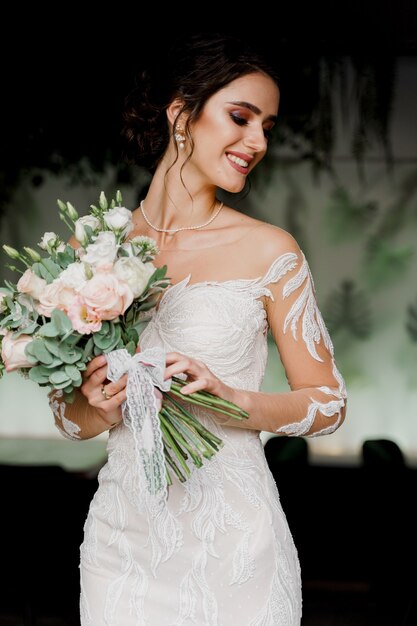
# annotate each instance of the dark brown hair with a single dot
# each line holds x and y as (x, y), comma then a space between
(193, 70)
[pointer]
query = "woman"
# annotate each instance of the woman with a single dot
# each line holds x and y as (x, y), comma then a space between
(219, 551)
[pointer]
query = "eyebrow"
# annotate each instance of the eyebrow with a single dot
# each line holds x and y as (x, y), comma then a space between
(253, 108)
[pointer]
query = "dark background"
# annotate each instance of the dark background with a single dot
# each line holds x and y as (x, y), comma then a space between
(64, 77)
(65, 72)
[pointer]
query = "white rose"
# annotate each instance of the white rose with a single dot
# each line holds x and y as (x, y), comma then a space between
(119, 219)
(85, 220)
(102, 251)
(48, 241)
(134, 272)
(2, 302)
(73, 276)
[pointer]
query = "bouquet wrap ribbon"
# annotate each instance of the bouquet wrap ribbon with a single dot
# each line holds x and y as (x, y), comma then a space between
(145, 371)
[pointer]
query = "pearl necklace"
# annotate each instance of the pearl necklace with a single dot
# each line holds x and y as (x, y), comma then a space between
(176, 230)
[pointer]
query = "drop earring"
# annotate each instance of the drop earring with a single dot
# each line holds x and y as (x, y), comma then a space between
(180, 138)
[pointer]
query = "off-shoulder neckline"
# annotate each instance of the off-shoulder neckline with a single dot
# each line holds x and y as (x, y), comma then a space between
(261, 281)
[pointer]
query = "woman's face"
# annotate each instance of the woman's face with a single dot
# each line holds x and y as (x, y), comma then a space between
(231, 133)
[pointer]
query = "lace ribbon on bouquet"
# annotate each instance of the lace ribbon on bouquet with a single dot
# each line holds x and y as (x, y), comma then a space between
(140, 411)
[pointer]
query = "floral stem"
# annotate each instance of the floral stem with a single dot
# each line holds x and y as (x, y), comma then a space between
(218, 409)
(208, 436)
(178, 437)
(179, 452)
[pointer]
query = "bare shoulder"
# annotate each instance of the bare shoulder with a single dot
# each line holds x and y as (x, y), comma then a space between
(263, 241)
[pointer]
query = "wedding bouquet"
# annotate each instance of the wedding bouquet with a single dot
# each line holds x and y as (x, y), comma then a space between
(72, 303)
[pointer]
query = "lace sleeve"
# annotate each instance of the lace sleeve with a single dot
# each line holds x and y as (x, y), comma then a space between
(316, 403)
(75, 421)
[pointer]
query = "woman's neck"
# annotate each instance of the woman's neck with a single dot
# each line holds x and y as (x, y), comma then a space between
(170, 204)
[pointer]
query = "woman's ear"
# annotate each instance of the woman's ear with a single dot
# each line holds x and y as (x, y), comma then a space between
(174, 110)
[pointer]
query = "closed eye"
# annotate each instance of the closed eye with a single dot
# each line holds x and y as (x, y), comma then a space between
(242, 121)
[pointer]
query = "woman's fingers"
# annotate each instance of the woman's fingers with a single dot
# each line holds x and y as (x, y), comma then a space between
(180, 364)
(199, 376)
(197, 385)
(113, 401)
(111, 390)
(95, 364)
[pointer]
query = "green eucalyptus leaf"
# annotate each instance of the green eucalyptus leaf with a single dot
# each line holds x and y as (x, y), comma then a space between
(66, 258)
(39, 374)
(43, 272)
(88, 349)
(61, 321)
(132, 335)
(31, 359)
(73, 372)
(108, 341)
(28, 330)
(70, 355)
(52, 267)
(39, 350)
(131, 347)
(49, 330)
(52, 345)
(59, 377)
(55, 363)
(61, 385)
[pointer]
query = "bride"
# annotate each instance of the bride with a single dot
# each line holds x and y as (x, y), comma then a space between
(219, 551)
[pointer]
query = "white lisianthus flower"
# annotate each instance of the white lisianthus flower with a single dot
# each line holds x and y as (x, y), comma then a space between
(80, 232)
(119, 219)
(102, 251)
(49, 241)
(73, 276)
(134, 272)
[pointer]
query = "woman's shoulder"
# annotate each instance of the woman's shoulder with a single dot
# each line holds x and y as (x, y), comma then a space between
(267, 241)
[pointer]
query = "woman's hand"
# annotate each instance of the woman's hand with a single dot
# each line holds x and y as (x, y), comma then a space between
(106, 397)
(198, 374)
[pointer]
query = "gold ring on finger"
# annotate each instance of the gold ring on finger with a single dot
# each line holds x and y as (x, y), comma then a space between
(104, 393)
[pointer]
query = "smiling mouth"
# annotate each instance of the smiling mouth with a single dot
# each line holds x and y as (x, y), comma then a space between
(237, 160)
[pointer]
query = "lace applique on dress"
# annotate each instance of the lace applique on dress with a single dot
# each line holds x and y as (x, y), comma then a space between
(221, 551)
(66, 427)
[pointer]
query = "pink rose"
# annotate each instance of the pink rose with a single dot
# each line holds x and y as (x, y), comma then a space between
(108, 296)
(13, 351)
(56, 295)
(84, 319)
(31, 284)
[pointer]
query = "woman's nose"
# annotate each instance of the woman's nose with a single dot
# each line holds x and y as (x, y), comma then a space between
(256, 140)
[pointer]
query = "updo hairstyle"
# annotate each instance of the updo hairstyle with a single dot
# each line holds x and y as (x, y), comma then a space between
(193, 70)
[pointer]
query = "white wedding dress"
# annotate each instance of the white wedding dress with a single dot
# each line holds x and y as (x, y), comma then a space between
(220, 551)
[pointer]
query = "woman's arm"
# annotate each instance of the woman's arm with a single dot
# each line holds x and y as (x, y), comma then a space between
(90, 414)
(316, 402)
